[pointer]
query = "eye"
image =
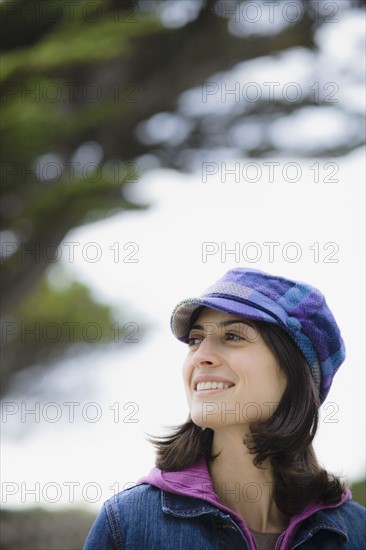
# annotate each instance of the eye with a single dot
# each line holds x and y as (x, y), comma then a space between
(194, 341)
(232, 336)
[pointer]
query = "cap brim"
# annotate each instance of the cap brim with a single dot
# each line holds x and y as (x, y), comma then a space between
(182, 314)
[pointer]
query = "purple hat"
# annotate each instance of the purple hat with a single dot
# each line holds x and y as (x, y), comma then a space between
(298, 308)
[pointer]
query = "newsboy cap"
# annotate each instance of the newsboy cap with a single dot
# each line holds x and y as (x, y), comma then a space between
(300, 309)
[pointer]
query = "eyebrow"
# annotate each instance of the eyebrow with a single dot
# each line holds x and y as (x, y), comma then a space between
(221, 324)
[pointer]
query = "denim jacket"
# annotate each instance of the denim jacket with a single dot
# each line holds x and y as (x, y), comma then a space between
(160, 514)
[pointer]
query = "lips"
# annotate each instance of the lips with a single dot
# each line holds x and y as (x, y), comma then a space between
(212, 386)
(209, 382)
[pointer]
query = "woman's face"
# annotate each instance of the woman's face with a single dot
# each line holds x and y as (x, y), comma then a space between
(231, 376)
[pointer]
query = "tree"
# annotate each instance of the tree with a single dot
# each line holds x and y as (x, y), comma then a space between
(81, 81)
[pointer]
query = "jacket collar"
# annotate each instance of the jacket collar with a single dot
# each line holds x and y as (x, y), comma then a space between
(330, 520)
(195, 483)
(187, 507)
(184, 506)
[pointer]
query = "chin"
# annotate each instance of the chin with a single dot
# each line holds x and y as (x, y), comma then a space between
(213, 421)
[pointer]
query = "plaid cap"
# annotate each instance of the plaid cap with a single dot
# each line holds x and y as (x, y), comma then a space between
(298, 308)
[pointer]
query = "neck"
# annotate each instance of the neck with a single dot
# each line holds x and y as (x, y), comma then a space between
(243, 487)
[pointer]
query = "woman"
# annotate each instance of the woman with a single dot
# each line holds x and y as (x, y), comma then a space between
(241, 472)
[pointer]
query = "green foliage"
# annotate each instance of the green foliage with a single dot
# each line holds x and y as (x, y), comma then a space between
(43, 529)
(53, 320)
(46, 110)
(41, 108)
(48, 304)
(79, 42)
(358, 489)
(76, 40)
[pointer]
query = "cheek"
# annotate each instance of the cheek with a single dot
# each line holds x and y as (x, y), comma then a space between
(187, 374)
(275, 384)
(282, 381)
(278, 378)
(265, 378)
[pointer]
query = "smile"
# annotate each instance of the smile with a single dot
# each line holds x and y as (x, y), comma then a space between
(213, 386)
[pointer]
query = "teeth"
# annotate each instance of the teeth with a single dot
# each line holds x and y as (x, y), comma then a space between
(212, 386)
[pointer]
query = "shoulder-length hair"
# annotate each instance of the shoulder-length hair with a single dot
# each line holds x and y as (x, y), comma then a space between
(284, 440)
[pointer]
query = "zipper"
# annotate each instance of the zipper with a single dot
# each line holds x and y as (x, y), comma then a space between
(231, 521)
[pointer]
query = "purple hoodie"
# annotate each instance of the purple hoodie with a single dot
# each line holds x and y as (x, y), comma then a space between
(196, 482)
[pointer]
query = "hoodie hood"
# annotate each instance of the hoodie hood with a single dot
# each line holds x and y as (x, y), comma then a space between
(196, 482)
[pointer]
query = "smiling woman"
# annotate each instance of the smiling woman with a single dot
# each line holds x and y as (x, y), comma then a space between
(241, 471)
(235, 356)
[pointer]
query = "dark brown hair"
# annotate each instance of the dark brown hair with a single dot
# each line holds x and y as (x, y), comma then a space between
(284, 439)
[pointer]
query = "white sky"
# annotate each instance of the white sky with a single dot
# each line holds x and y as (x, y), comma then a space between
(184, 213)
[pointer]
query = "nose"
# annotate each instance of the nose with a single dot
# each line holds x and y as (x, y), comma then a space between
(206, 354)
